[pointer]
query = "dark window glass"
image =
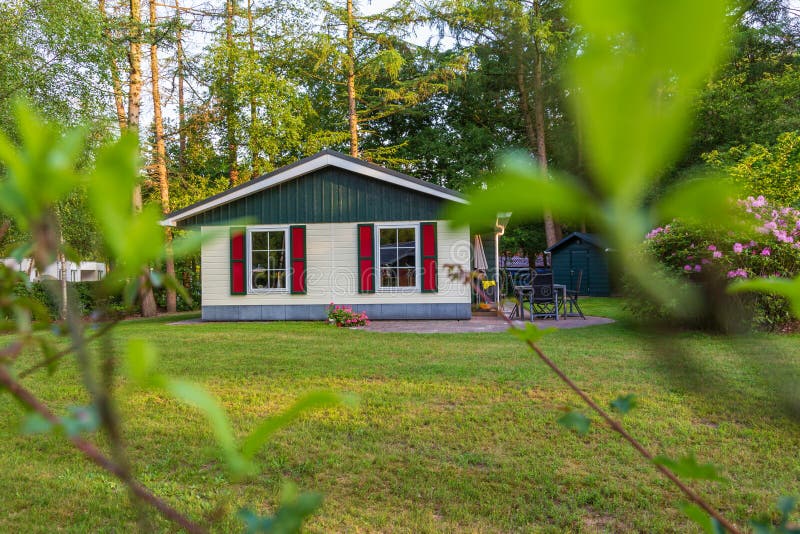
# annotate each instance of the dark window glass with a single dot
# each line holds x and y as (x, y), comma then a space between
(268, 260)
(398, 257)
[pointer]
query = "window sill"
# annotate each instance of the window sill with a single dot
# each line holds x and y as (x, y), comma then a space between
(404, 290)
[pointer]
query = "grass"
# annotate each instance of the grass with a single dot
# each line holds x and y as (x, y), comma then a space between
(452, 433)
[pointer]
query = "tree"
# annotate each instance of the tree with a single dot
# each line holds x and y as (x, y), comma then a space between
(364, 64)
(760, 80)
(528, 39)
(160, 151)
(768, 170)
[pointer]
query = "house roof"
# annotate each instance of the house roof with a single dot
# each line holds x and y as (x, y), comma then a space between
(589, 238)
(325, 158)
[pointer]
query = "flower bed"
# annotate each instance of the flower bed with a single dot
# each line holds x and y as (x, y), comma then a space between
(345, 317)
(716, 256)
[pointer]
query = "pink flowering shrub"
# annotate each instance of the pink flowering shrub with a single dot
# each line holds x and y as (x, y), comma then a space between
(716, 257)
(344, 316)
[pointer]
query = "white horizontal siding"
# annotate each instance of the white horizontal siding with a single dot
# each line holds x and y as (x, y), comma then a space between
(332, 272)
(332, 275)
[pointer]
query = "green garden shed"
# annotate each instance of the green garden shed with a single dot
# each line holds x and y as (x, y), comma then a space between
(583, 255)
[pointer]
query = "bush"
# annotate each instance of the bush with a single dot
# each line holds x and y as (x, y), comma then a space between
(343, 316)
(190, 279)
(712, 258)
(84, 294)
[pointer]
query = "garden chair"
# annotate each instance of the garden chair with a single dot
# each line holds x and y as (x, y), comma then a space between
(544, 299)
(520, 289)
(572, 298)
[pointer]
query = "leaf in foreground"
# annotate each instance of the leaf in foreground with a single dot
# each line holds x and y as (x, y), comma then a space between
(687, 467)
(576, 421)
(709, 524)
(531, 333)
(624, 404)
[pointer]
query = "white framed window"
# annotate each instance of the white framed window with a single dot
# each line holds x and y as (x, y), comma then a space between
(268, 259)
(398, 257)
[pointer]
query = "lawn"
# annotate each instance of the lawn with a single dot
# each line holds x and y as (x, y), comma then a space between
(452, 433)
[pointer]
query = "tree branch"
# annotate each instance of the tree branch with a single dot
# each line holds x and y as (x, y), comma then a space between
(617, 427)
(97, 457)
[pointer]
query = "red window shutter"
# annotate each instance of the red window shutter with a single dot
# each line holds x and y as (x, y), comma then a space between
(297, 238)
(238, 261)
(429, 257)
(366, 258)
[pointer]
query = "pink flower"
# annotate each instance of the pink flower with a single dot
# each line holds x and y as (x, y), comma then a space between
(712, 248)
(698, 268)
(687, 267)
(737, 248)
(738, 273)
(717, 254)
(758, 202)
(766, 251)
(705, 261)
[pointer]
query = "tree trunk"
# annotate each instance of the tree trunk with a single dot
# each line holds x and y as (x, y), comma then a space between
(534, 129)
(135, 81)
(233, 149)
(253, 148)
(62, 260)
(551, 229)
(161, 155)
(116, 83)
(147, 300)
(181, 101)
(351, 83)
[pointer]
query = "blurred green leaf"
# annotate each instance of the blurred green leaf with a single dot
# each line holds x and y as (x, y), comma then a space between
(778, 286)
(576, 421)
(624, 404)
(699, 516)
(259, 436)
(702, 202)
(199, 398)
(634, 80)
(531, 333)
(289, 517)
(519, 186)
(81, 419)
(35, 423)
(786, 504)
(687, 467)
(41, 170)
(141, 359)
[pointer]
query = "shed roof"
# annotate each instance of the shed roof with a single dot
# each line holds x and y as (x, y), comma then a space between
(325, 158)
(589, 238)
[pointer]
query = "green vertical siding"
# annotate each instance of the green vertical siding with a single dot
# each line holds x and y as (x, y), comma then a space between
(329, 195)
(595, 277)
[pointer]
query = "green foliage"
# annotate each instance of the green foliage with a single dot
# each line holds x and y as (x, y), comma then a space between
(709, 524)
(531, 333)
(52, 53)
(624, 403)
(687, 467)
(81, 419)
(786, 505)
(576, 421)
(293, 510)
(767, 170)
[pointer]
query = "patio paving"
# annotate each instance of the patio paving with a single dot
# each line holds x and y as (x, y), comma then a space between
(477, 324)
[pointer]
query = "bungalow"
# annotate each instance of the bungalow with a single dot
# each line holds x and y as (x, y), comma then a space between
(330, 228)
